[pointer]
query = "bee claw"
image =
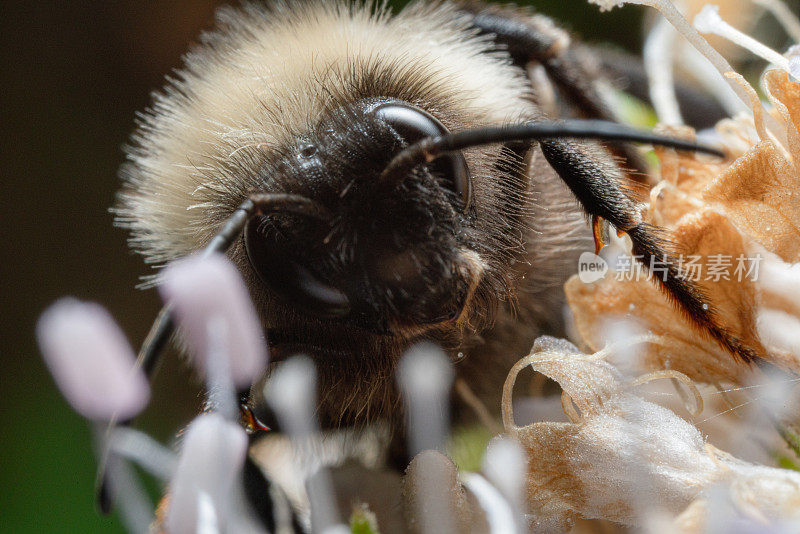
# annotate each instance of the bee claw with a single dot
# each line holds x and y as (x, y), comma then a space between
(597, 231)
(251, 422)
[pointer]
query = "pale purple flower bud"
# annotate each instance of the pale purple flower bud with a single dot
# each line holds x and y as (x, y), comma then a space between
(291, 393)
(202, 288)
(425, 376)
(212, 456)
(91, 360)
(139, 447)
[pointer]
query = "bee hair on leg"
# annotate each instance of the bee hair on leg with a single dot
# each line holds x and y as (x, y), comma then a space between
(599, 193)
(534, 38)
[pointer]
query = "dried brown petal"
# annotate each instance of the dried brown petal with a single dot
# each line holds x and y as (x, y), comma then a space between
(760, 192)
(690, 173)
(693, 519)
(640, 302)
(712, 237)
(627, 458)
(668, 204)
(785, 96)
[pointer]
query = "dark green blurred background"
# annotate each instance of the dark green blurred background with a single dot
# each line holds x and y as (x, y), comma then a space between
(74, 73)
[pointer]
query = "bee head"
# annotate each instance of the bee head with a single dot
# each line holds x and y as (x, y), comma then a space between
(384, 259)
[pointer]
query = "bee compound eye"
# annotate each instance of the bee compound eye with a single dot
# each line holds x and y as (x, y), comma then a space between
(414, 124)
(287, 278)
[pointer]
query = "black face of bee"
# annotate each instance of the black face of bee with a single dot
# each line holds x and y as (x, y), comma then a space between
(389, 259)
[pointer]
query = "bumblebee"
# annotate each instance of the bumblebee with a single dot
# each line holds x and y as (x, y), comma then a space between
(383, 179)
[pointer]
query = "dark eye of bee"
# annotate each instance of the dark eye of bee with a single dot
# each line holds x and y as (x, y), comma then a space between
(414, 124)
(290, 279)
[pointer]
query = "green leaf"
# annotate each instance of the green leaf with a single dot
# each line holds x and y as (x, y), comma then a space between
(633, 111)
(467, 446)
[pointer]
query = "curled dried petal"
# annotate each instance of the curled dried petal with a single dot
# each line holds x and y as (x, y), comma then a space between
(627, 456)
(760, 192)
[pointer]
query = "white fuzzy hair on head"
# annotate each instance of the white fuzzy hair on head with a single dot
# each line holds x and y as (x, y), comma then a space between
(266, 74)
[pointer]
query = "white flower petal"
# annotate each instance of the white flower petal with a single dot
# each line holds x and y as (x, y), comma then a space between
(606, 5)
(627, 457)
(504, 465)
(708, 19)
(211, 458)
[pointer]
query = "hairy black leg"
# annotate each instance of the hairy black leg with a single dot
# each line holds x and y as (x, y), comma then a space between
(596, 184)
(535, 38)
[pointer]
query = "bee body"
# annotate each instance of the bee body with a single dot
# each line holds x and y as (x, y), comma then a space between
(312, 99)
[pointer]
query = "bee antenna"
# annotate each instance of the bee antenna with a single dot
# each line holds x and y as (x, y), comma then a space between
(431, 148)
(163, 326)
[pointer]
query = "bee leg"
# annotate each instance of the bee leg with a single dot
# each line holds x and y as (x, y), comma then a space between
(535, 38)
(595, 180)
(531, 38)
